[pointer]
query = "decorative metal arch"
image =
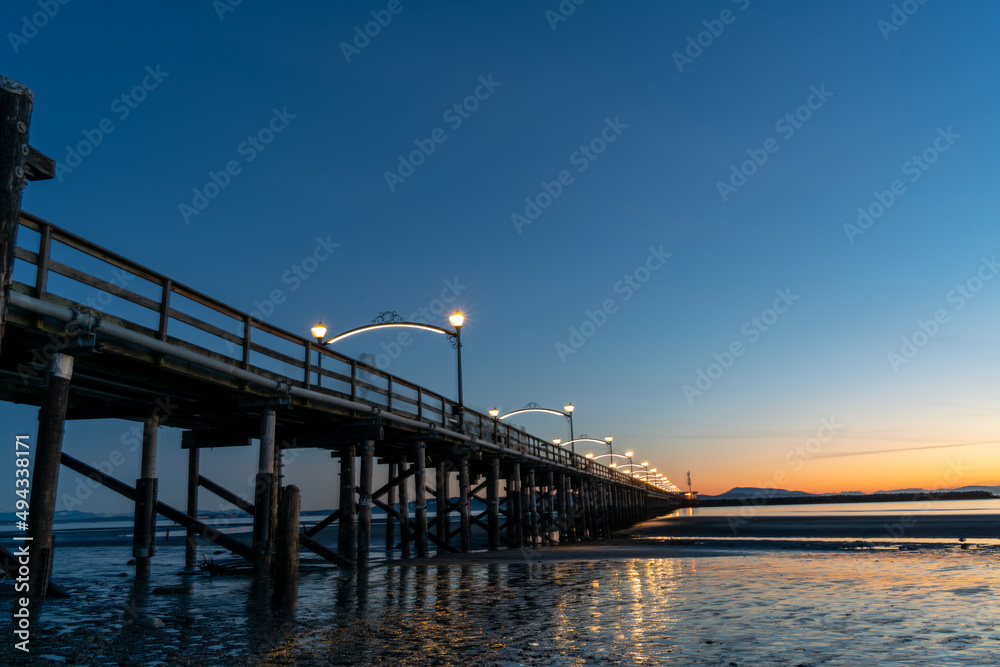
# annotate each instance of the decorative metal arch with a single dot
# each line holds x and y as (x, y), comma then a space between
(391, 319)
(533, 407)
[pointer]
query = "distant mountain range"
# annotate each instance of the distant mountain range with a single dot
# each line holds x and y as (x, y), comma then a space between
(741, 492)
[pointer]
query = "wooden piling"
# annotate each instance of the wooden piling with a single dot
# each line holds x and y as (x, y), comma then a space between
(563, 521)
(515, 531)
(45, 476)
(286, 549)
(347, 534)
(16, 101)
(442, 524)
(493, 502)
(420, 499)
(531, 504)
(404, 511)
(464, 510)
(549, 508)
(365, 502)
(144, 525)
(191, 541)
(390, 501)
(263, 520)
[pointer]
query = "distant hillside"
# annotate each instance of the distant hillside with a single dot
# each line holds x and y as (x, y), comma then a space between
(763, 496)
(740, 492)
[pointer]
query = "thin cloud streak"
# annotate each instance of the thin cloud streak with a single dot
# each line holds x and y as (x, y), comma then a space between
(902, 449)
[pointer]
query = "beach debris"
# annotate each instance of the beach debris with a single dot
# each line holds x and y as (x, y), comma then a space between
(228, 566)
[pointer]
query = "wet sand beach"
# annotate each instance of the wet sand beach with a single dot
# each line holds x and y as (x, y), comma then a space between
(873, 526)
(653, 597)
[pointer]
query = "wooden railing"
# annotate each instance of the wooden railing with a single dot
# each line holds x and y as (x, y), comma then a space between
(153, 304)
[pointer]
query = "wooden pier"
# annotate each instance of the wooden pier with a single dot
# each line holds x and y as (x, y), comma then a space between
(159, 353)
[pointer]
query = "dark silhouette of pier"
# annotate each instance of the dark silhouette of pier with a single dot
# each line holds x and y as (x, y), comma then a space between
(191, 362)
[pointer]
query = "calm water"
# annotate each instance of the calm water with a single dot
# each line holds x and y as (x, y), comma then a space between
(598, 607)
(856, 509)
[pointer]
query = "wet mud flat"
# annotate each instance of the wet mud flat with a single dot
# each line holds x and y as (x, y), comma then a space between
(867, 526)
(629, 602)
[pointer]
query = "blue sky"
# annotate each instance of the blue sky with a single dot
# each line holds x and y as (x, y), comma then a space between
(868, 98)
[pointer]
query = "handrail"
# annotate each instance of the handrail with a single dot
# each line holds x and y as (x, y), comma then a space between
(357, 382)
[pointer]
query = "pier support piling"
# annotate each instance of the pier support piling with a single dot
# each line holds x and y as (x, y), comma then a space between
(420, 499)
(493, 502)
(514, 526)
(564, 521)
(404, 511)
(263, 520)
(16, 101)
(144, 529)
(286, 574)
(531, 507)
(365, 502)
(347, 534)
(390, 500)
(464, 509)
(442, 524)
(191, 539)
(45, 476)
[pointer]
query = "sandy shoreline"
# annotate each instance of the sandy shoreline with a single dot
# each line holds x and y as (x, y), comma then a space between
(720, 536)
(884, 527)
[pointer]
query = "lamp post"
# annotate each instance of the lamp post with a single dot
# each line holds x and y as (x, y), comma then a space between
(457, 320)
(496, 425)
(569, 410)
(319, 332)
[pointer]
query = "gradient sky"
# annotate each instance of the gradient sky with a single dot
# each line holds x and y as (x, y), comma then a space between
(884, 86)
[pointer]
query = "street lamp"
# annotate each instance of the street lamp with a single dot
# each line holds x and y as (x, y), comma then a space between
(319, 332)
(629, 455)
(496, 424)
(457, 320)
(569, 410)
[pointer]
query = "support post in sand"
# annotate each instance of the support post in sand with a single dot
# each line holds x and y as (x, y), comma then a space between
(347, 535)
(464, 510)
(564, 509)
(286, 551)
(365, 502)
(420, 501)
(144, 530)
(263, 520)
(390, 501)
(531, 504)
(514, 504)
(404, 510)
(493, 502)
(442, 524)
(45, 476)
(191, 540)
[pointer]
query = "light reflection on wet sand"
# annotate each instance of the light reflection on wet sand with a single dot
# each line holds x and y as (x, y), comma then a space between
(751, 608)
